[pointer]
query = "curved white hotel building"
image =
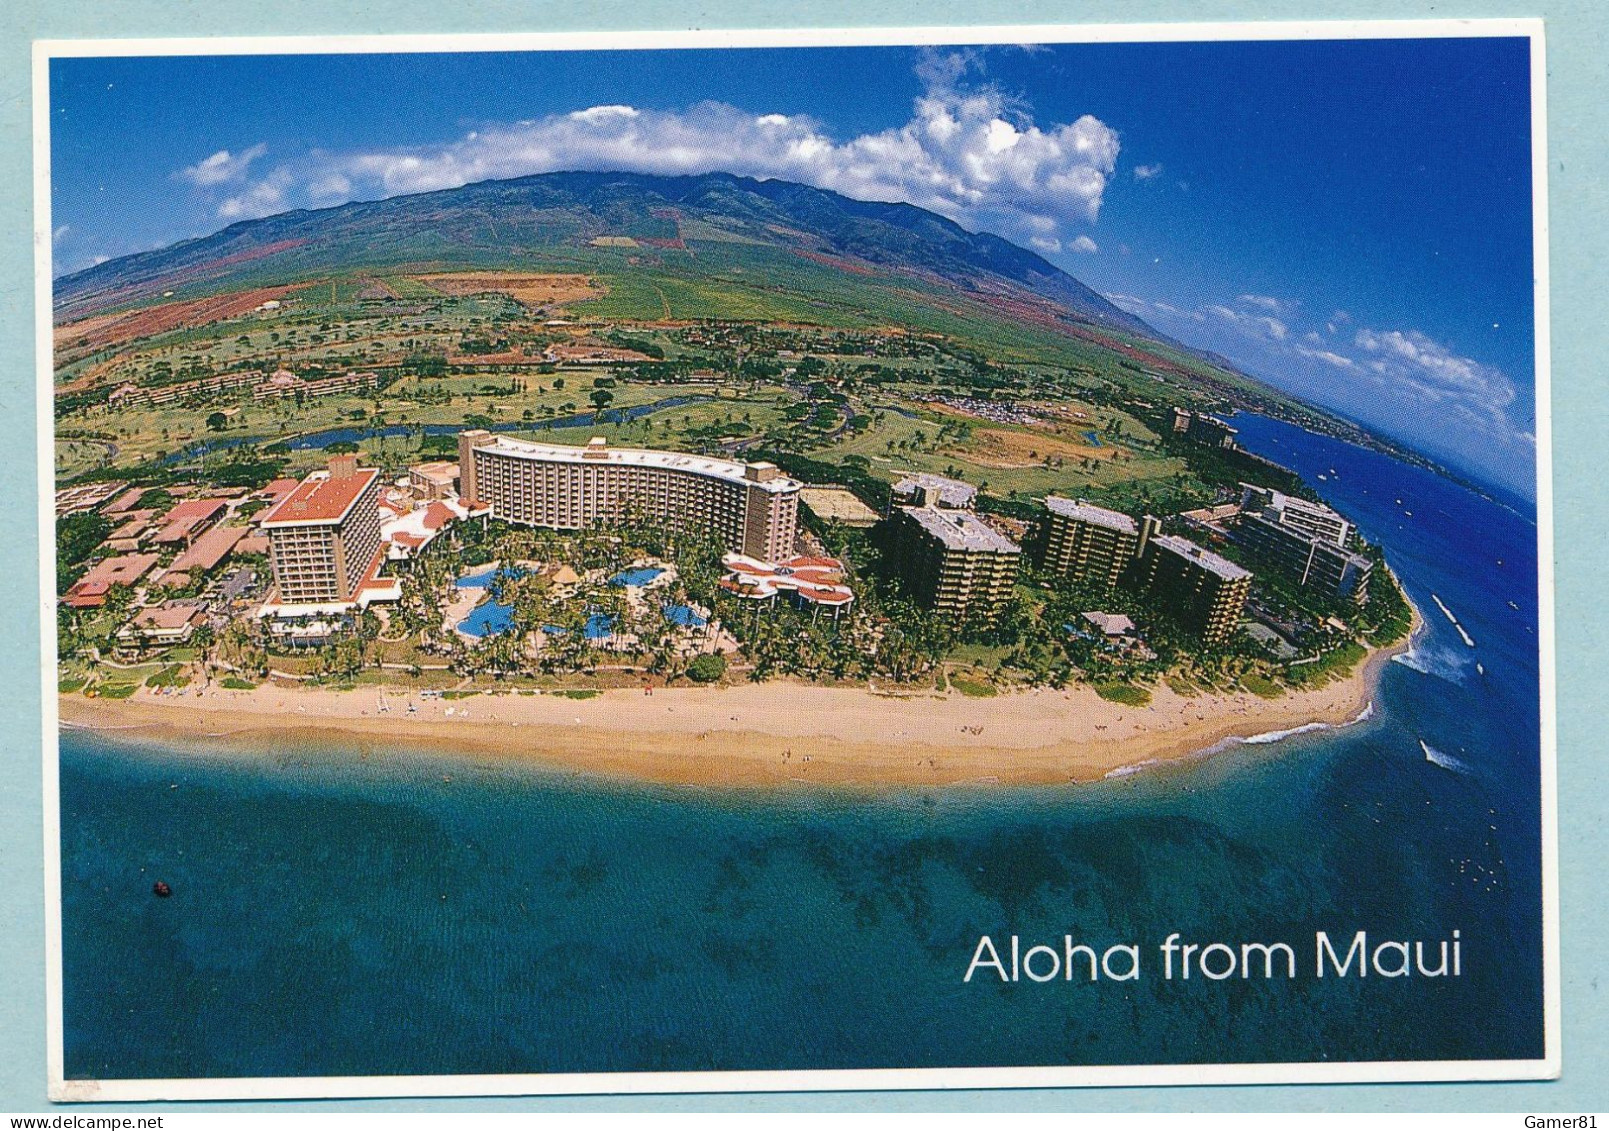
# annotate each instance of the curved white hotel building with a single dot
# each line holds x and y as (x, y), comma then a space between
(753, 507)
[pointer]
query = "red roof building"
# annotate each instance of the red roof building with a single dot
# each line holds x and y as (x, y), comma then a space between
(89, 591)
(324, 537)
(813, 581)
(209, 549)
(189, 518)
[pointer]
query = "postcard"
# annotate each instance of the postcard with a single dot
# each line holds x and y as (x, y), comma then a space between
(797, 560)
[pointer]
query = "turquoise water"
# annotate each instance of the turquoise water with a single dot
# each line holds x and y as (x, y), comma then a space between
(684, 615)
(488, 619)
(485, 578)
(635, 577)
(372, 908)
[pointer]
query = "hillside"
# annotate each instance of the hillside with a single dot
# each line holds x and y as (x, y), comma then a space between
(533, 220)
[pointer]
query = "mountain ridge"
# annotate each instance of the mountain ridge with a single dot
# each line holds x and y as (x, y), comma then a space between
(893, 235)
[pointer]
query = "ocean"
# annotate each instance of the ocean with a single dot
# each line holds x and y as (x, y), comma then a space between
(361, 909)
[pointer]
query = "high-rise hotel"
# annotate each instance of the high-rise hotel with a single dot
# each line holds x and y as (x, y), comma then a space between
(752, 507)
(1204, 591)
(953, 561)
(324, 537)
(1086, 543)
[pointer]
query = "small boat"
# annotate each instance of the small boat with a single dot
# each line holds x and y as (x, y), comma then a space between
(1511, 604)
(1480, 667)
(161, 890)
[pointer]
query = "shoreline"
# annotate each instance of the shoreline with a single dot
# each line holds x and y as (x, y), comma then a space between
(776, 733)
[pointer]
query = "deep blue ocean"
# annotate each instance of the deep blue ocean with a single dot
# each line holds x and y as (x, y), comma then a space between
(376, 910)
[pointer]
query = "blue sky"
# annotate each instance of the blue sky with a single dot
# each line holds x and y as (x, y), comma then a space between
(1350, 220)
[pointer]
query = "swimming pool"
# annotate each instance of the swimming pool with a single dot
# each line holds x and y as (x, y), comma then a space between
(635, 578)
(484, 578)
(488, 619)
(684, 615)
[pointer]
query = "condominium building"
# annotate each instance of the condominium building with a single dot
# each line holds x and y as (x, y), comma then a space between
(752, 507)
(1310, 561)
(1202, 428)
(1086, 543)
(923, 488)
(952, 561)
(1203, 591)
(324, 537)
(1313, 519)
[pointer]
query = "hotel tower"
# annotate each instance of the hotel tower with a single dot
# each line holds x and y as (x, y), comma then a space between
(752, 507)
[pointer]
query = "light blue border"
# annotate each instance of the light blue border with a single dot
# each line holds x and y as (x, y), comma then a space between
(1578, 79)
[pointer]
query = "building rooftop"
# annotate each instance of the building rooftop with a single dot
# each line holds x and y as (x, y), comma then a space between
(820, 580)
(1089, 512)
(278, 489)
(952, 492)
(1278, 500)
(1303, 536)
(962, 530)
(443, 471)
(194, 510)
(597, 452)
(1112, 624)
(171, 617)
(90, 590)
(124, 502)
(1206, 559)
(321, 498)
(209, 549)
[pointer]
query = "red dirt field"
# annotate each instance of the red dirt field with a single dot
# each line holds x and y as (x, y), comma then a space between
(89, 335)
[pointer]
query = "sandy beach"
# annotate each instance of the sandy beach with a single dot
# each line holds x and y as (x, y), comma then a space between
(756, 734)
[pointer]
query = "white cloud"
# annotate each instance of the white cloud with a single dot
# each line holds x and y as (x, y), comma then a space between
(1084, 246)
(1327, 356)
(60, 234)
(1146, 172)
(223, 166)
(1261, 326)
(264, 198)
(967, 152)
(332, 188)
(1268, 303)
(1415, 359)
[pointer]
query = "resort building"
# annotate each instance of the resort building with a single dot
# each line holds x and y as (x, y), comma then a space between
(207, 551)
(1086, 543)
(188, 519)
(324, 542)
(952, 561)
(73, 500)
(437, 479)
(1313, 519)
(89, 591)
(752, 507)
(1310, 561)
(1203, 591)
(926, 489)
(1204, 429)
(407, 535)
(162, 626)
(811, 582)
